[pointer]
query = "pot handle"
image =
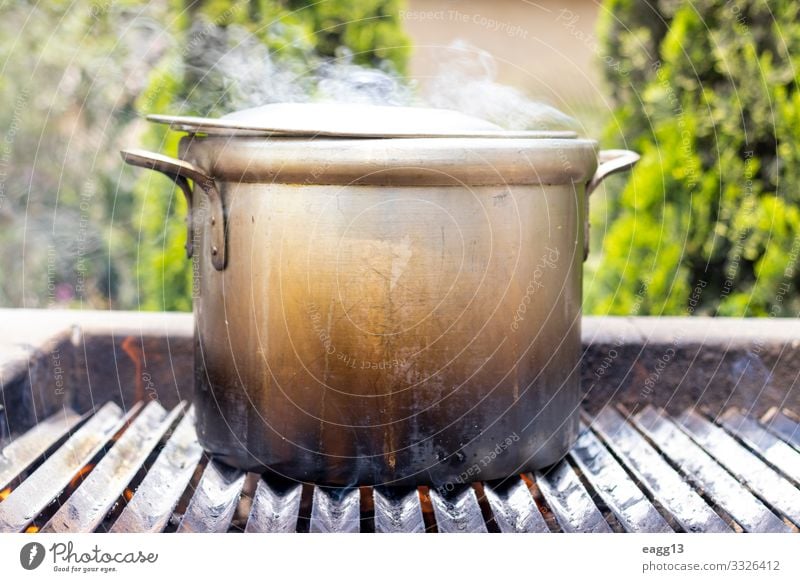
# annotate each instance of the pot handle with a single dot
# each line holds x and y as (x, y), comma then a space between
(181, 172)
(611, 162)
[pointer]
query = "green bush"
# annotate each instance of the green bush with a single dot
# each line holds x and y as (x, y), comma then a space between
(709, 222)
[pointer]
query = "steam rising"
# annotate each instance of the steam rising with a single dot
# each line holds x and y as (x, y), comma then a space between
(239, 72)
(466, 82)
(343, 81)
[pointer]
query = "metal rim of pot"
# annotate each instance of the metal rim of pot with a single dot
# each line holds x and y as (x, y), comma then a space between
(332, 134)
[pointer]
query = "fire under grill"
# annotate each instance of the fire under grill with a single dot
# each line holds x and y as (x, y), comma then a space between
(142, 470)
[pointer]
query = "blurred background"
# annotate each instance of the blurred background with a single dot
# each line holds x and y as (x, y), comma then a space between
(707, 91)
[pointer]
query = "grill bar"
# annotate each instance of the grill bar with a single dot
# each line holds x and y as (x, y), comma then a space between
(398, 510)
(704, 472)
(648, 472)
(54, 475)
(336, 510)
(744, 465)
(275, 508)
(457, 511)
(767, 445)
(159, 492)
(214, 503)
(21, 453)
(569, 501)
(514, 508)
(628, 503)
(660, 480)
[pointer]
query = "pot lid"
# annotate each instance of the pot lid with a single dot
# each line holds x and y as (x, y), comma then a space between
(352, 120)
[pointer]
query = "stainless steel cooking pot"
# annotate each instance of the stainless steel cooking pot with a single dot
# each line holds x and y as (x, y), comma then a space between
(384, 295)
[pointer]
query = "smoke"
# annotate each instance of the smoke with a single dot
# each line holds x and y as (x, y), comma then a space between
(234, 71)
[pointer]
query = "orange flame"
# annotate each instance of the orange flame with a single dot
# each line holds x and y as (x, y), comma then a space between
(424, 495)
(77, 479)
(127, 494)
(134, 352)
(31, 529)
(425, 499)
(5, 493)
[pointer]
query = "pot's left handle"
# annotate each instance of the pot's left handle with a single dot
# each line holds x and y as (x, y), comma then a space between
(611, 162)
(181, 172)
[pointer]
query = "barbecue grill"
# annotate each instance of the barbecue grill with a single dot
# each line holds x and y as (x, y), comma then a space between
(130, 462)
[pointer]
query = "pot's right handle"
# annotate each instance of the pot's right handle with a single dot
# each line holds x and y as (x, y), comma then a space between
(181, 172)
(611, 162)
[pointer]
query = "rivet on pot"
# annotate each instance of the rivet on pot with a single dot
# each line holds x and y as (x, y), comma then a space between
(214, 251)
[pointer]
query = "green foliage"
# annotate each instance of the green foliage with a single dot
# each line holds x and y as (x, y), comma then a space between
(368, 28)
(709, 222)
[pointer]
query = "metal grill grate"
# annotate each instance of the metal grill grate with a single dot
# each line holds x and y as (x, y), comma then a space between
(143, 471)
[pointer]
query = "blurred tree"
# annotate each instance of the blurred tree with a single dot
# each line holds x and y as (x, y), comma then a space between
(710, 221)
(77, 78)
(69, 80)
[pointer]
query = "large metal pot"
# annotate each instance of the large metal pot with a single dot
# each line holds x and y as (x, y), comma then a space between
(382, 303)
